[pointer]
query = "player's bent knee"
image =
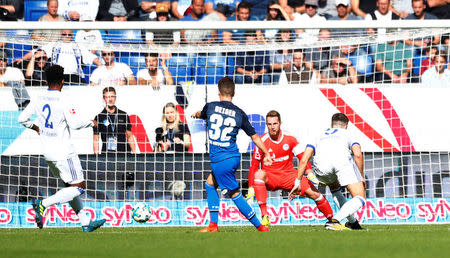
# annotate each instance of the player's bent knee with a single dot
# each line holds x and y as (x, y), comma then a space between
(362, 199)
(233, 193)
(81, 185)
(312, 193)
(261, 175)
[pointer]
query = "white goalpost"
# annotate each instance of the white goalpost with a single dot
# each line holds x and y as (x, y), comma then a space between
(307, 72)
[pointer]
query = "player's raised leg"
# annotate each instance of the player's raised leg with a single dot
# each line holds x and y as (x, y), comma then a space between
(261, 195)
(224, 173)
(213, 204)
(340, 200)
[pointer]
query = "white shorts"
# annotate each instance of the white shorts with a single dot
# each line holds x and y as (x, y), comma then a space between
(69, 170)
(346, 175)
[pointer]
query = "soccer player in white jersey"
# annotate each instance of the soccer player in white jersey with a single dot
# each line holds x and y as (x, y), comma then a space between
(334, 165)
(54, 122)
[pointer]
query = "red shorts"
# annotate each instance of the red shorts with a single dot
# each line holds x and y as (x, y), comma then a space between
(285, 180)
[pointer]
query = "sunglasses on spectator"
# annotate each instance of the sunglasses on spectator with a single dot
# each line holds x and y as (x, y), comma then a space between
(162, 14)
(4, 60)
(66, 34)
(107, 54)
(41, 58)
(311, 6)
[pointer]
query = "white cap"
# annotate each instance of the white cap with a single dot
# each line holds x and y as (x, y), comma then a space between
(343, 2)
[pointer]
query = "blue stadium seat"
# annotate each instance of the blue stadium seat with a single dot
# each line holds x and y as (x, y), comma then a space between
(135, 61)
(210, 69)
(87, 70)
(180, 68)
(34, 9)
(125, 36)
(231, 60)
(17, 50)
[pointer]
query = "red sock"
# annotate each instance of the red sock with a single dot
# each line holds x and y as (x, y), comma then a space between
(261, 196)
(324, 207)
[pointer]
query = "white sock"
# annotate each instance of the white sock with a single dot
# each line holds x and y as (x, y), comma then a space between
(340, 200)
(62, 196)
(349, 208)
(77, 206)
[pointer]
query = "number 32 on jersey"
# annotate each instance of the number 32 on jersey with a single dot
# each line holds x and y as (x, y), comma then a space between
(220, 128)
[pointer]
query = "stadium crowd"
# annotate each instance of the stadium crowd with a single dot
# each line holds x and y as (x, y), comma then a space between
(87, 61)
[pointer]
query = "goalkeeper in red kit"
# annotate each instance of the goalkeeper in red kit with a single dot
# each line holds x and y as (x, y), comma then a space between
(281, 174)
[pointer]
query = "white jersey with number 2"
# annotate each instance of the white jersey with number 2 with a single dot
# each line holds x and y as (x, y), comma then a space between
(332, 151)
(55, 118)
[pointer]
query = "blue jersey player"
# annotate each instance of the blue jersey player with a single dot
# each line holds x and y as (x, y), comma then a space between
(224, 119)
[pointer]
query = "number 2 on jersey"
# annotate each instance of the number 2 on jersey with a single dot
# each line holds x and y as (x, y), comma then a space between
(216, 131)
(47, 124)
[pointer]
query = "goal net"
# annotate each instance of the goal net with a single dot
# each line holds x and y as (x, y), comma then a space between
(380, 75)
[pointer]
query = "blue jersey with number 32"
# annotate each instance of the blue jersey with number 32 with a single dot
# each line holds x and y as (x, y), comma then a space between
(224, 119)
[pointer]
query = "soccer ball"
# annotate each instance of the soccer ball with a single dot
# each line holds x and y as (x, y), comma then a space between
(141, 212)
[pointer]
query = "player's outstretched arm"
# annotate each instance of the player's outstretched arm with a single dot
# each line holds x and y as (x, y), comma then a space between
(25, 118)
(267, 159)
(309, 152)
(197, 115)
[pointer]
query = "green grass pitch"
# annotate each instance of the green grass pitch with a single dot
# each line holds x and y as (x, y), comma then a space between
(293, 241)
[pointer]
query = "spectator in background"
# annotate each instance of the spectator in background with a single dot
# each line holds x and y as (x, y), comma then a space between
(401, 7)
(274, 13)
(243, 13)
(319, 57)
(75, 10)
(363, 7)
(153, 75)
(280, 58)
(440, 8)
(8, 73)
(297, 72)
(429, 61)
(35, 74)
(198, 14)
(112, 73)
(437, 75)
(118, 10)
(252, 66)
(13, 8)
(162, 37)
(114, 127)
(90, 39)
(51, 16)
(225, 7)
(309, 35)
(382, 13)
(360, 60)
(420, 14)
(327, 8)
(69, 55)
(259, 8)
(179, 7)
(173, 135)
(148, 8)
(393, 62)
(340, 71)
(342, 10)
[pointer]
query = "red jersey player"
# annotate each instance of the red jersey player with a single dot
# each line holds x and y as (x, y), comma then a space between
(281, 174)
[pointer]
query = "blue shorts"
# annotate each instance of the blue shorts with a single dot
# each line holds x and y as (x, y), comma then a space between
(224, 170)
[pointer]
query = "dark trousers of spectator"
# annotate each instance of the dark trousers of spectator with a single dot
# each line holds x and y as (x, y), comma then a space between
(384, 78)
(73, 79)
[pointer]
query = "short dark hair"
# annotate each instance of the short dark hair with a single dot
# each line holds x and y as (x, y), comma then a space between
(339, 117)
(151, 55)
(226, 86)
(442, 54)
(55, 75)
(109, 89)
(298, 50)
(244, 5)
(273, 113)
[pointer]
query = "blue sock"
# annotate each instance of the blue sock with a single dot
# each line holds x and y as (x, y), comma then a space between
(213, 202)
(246, 210)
